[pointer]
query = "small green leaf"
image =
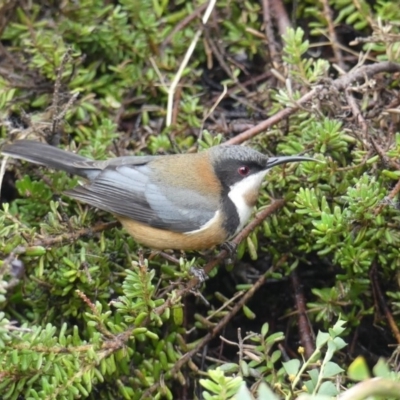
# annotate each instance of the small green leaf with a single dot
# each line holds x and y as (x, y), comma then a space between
(248, 313)
(328, 389)
(331, 369)
(381, 369)
(292, 367)
(358, 370)
(322, 339)
(265, 393)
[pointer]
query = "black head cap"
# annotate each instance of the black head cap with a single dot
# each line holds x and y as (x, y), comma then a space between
(235, 163)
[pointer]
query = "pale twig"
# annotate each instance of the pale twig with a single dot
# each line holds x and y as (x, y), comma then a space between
(212, 109)
(3, 170)
(189, 52)
(339, 84)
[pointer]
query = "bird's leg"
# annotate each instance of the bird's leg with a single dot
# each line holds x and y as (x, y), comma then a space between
(199, 273)
(230, 248)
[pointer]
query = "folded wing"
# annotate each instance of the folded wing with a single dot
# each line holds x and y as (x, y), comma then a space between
(128, 191)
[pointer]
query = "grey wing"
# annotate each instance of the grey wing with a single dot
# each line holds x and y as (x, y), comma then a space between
(91, 169)
(127, 191)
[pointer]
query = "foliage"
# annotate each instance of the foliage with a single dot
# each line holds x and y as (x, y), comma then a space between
(318, 373)
(84, 314)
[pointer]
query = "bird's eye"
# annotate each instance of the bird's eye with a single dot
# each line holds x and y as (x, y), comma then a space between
(244, 170)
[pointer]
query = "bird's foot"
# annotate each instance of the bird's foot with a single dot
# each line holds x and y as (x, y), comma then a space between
(199, 273)
(230, 248)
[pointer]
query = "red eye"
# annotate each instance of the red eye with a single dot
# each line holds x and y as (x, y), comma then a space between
(244, 170)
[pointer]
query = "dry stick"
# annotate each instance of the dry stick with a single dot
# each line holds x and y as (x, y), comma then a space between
(307, 337)
(364, 126)
(2, 171)
(269, 34)
(381, 153)
(363, 72)
(279, 116)
(280, 15)
(332, 35)
(340, 83)
(185, 61)
(357, 113)
(221, 324)
(387, 200)
(385, 308)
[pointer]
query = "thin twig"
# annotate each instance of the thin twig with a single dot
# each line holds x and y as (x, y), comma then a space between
(389, 198)
(186, 58)
(381, 298)
(279, 116)
(332, 35)
(269, 34)
(206, 339)
(339, 84)
(307, 337)
(2, 171)
(280, 16)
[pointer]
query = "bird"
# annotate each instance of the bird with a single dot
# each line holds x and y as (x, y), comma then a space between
(186, 202)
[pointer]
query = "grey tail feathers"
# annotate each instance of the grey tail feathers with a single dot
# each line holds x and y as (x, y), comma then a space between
(44, 154)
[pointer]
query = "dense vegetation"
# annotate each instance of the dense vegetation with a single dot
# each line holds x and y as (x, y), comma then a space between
(311, 305)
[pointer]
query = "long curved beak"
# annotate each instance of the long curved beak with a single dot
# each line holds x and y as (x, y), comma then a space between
(274, 161)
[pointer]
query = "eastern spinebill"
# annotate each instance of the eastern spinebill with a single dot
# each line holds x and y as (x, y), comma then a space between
(182, 201)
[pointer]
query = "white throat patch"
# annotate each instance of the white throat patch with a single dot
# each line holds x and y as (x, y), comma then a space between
(238, 192)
